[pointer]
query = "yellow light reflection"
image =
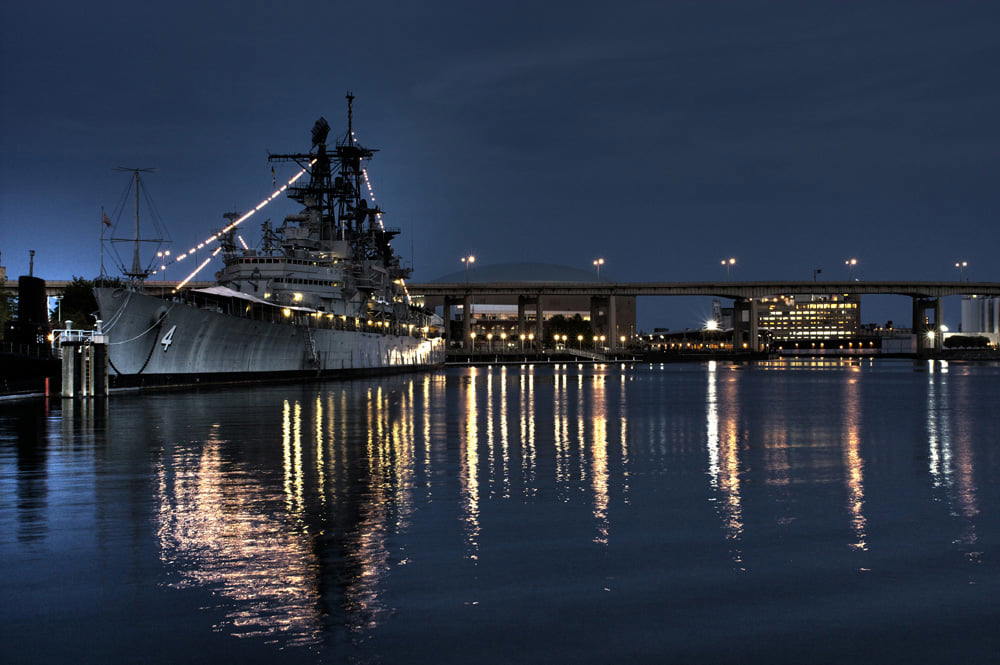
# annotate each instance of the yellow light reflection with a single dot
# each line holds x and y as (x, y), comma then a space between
(560, 425)
(504, 433)
(213, 532)
(623, 436)
(320, 463)
(722, 443)
(469, 474)
(854, 465)
(426, 409)
(490, 445)
(599, 459)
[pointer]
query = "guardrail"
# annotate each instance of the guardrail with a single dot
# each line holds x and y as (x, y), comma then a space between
(579, 353)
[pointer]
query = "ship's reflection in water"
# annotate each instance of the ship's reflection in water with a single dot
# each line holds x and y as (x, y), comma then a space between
(427, 516)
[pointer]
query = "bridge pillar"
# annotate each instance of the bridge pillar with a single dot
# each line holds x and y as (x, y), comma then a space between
(595, 313)
(928, 334)
(754, 340)
(446, 315)
(938, 322)
(539, 322)
(522, 302)
(741, 320)
(467, 323)
(612, 323)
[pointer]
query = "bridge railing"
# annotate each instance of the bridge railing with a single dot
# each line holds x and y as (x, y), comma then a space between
(579, 353)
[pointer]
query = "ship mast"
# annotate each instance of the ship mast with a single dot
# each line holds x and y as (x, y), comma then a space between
(136, 267)
(136, 273)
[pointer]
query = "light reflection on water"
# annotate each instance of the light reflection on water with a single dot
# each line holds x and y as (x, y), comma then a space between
(341, 515)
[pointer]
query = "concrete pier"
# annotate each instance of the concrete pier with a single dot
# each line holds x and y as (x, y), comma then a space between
(84, 369)
(467, 322)
(612, 323)
(84, 362)
(928, 334)
(539, 320)
(522, 320)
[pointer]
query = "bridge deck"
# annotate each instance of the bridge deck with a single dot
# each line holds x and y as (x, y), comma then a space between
(717, 289)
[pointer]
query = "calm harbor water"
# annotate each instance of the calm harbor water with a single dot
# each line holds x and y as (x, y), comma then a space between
(794, 511)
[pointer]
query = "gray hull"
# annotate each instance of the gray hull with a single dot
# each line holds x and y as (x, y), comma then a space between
(151, 336)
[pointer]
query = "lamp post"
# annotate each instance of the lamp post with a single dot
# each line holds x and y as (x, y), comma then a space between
(473, 336)
(522, 341)
(489, 339)
(503, 342)
(467, 261)
(961, 266)
(597, 264)
(531, 340)
(851, 263)
(728, 264)
(579, 342)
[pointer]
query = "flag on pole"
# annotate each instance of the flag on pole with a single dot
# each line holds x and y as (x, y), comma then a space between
(274, 177)
(105, 219)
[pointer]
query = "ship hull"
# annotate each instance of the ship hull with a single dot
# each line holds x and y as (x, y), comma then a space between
(153, 341)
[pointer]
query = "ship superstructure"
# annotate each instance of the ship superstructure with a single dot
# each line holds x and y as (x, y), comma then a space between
(322, 292)
(335, 254)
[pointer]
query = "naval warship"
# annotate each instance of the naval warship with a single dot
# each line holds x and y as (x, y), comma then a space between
(322, 294)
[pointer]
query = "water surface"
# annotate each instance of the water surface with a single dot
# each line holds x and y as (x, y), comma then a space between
(799, 511)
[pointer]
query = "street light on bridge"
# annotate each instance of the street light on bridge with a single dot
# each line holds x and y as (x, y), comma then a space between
(597, 264)
(961, 266)
(851, 263)
(467, 261)
(728, 264)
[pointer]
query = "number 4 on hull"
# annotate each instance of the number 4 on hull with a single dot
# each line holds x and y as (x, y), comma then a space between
(168, 339)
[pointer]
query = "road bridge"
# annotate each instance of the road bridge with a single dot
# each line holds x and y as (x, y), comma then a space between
(926, 296)
(734, 290)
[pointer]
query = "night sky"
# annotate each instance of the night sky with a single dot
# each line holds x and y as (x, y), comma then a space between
(662, 136)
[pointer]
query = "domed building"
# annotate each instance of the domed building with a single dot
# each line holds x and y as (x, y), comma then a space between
(500, 314)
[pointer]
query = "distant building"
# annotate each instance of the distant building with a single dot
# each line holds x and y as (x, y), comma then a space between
(981, 317)
(810, 318)
(723, 316)
(498, 314)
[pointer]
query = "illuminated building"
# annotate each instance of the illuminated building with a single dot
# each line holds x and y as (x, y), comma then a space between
(981, 317)
(810, 317)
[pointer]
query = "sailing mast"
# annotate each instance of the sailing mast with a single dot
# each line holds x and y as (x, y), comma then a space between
(137, 273)
(136, 267)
